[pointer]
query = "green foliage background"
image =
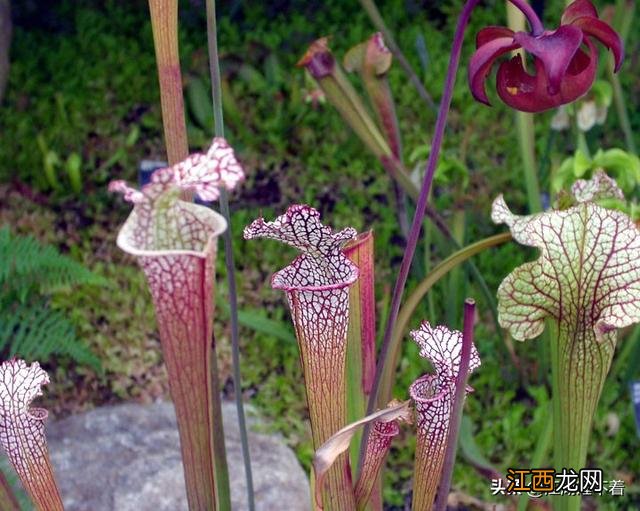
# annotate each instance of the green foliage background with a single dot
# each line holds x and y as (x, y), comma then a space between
(82, 108)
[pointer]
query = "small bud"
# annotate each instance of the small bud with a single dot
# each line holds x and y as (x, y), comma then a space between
(586, 117)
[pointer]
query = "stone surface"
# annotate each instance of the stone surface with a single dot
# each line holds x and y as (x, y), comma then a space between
(127, 458)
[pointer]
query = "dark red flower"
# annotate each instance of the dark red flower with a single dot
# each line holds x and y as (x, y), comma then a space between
(565, 60)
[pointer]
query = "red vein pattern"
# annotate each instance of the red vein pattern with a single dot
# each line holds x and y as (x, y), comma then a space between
(599, 187)
(433, 397)
(22, 432)
(587, 282)
(375, 454)
(175, 244)
(317, 285)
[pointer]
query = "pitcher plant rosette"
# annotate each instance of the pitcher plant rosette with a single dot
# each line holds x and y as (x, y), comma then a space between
(585, 285)
(174, 242)
(317, 285)
(432, 396)
(22, 432)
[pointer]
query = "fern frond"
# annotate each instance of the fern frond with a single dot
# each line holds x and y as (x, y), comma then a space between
(34, 332)
(26, 265)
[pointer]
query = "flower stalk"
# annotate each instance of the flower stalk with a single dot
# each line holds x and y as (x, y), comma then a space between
(421, 205)
(216, 91)
(525, 127)
(458, 402)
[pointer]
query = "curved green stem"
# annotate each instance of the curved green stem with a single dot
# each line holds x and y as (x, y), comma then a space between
(417, 296)
(216, 89)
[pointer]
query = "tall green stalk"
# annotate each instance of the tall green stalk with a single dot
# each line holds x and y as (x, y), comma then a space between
(625, 12)
(216, 90)
(525, 129)
(416, 297)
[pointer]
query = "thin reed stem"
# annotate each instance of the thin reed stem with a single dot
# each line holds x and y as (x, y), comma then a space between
(216, 91)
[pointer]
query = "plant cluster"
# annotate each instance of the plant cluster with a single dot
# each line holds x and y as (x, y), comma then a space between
(584, 285)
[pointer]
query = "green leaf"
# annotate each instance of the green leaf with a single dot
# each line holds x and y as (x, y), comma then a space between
(257, 321)
(199, 102)
(581, 163)
(73, 168)
(27, 265)
(471, 451)
(35, 332)
(602, 92)
(625, 166)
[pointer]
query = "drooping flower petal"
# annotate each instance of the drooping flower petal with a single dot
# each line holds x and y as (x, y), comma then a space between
(600, 186)
(529, 93)
(605, 34)
(555, 50)
(385, 421)
(488, 34)
(482, 61)
(317, 285)
(433, 397)
(175, 243)
(564, 71)
(578, 9)
(22, 432)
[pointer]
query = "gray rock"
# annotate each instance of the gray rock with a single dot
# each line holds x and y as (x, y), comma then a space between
(127, 458)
